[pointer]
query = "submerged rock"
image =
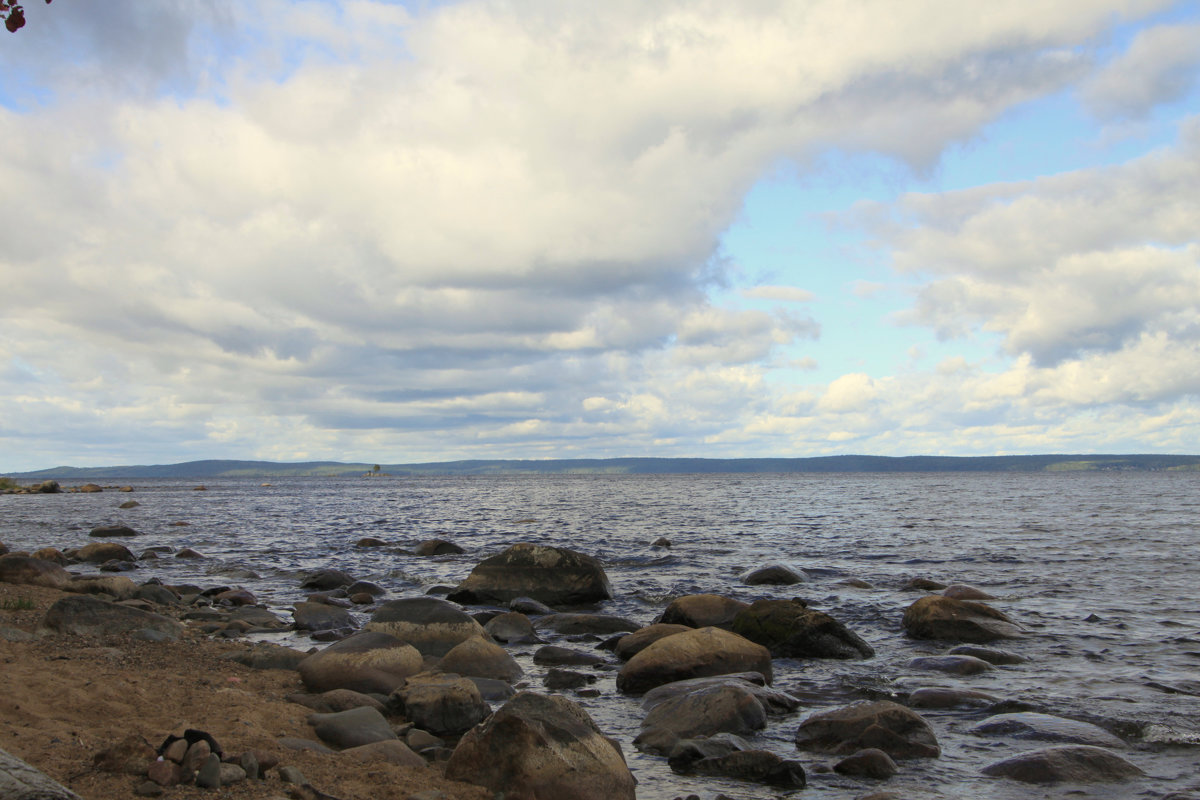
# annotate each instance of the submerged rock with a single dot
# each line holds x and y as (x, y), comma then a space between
(898, 731)
(1031, 725)
(773, 574)
(1066, 764)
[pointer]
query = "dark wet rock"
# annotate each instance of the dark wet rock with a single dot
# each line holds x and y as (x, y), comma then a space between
(90, 488)
(128, 504)
(937, 617)
(351, 728)
(939, 697)
(923, 585)
(46, 487)
(757, 766)
(393, 751)
(773, 701)
(688, 751)
(84, 615)
(695, 654)
(1065, 764)
(1045, 727)
(429, 624)
(117, 566)
(991, 655)
(105, 531)
(953, 665)
(511, 627)
(702, 611)
(370, 541)
(774, 575)
(962, 591)
(267, 655)
(855, 583)
(577, 624)
(99, 552)
(320, 617)
(563, 679)
(32, 572)
(541, 746)
(326, 579)
(437, 547)
(724, 708)
(236, 597)
(629, 646)
(446, 705)
(208, 776)
(791, 630)
(189, 553)
(365, 587)
(869, 763)
(481, 658)
(491, 689)
(882, 724)
(527, 605)
(552, 575)
(661, 541)
(553, 655)
(335, 700)
(367, 662)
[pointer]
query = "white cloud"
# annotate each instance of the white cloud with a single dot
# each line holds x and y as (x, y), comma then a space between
(781, 294)
(1160, 66)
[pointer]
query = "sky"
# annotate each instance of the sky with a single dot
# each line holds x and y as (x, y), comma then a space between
(382, 232)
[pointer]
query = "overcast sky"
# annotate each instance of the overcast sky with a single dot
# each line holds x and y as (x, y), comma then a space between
(378, 232)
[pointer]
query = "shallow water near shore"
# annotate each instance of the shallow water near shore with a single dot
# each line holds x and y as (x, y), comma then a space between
(1099, 567)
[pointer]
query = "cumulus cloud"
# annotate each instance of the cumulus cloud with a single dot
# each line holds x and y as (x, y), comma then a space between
(497, 225)
(1160, 66)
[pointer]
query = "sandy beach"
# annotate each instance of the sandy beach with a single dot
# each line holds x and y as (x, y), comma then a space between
(64, 699)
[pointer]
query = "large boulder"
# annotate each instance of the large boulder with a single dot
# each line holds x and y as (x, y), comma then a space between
(702, 611)
(85, 615)
(103, 531)
(695, 654)
(479, 658)
(634, 643)
(938, 617)
(445, 705)
(898, 731)
(552, 575)
(324, 580)
(368, 661)
(1076, 763)
(789, 629)
(429, 624)
(32, 572)
(775, 575)
(722, 708)
(537, 747)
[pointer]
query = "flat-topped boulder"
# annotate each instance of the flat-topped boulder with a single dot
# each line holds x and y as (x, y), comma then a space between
(898, 731)
(555, 576)
(697, 653)
(1046, 727)
(938, 617)
(32, 571)
(789, 629)
(702, 611)
(429, 624)
(86, 615)
(538, 746)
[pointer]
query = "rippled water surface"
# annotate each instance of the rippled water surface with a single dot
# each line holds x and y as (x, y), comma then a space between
(1101, 568)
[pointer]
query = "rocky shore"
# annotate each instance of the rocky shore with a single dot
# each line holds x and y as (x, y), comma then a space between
(116, 688)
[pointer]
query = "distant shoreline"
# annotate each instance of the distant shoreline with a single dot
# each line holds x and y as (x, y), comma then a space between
(631, 466)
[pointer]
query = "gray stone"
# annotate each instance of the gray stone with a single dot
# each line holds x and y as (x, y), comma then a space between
(702, 611)
(774, 701)
(773, 574)
(209, 774)
(320, 617)
(1045, 727)
(392, 751)
(898, 731)
(512, 627)
(869, 763)
(1065, 764)
(941, 697)
(351, 728)
(553, 655)
(938, 617)
(32, 572)
(268, 655)
(91, 616)
(789, 629)
(991, 655)
(446, 705)
(541, 746)
(953, 665)
(326, 579)
(552, 575)
(725, 708)
(430, 624)
(105, 531)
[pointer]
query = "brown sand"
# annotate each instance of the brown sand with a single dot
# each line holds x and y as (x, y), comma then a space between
(63, 699)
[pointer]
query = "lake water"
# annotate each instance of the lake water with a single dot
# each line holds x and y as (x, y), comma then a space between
(1101, 568)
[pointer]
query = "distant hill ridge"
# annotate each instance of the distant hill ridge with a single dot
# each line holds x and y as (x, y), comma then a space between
(630, 466)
